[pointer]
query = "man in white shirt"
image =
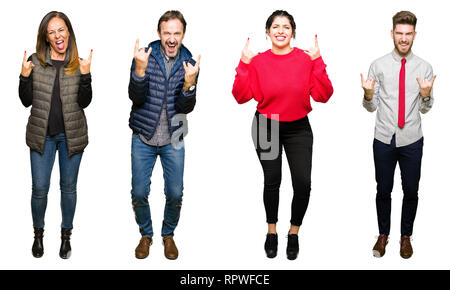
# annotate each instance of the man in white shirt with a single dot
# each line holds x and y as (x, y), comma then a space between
(399, 87)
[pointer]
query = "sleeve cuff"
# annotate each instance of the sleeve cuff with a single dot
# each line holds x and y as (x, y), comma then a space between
(25, 79)
(365, 101)
(85, 78)
(137, 78)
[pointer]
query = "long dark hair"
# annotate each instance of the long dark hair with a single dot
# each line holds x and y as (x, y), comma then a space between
(42, 44)
(281, 13)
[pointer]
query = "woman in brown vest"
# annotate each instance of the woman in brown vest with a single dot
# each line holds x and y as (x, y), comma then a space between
(57, 85)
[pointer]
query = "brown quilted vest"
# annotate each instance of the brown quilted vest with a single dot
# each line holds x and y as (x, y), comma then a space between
(74, 119)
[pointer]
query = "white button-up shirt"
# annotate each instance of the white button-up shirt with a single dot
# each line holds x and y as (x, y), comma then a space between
(386, 72)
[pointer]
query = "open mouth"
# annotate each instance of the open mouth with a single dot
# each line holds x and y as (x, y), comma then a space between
(171, 47)
(60, 44)
(280, 37)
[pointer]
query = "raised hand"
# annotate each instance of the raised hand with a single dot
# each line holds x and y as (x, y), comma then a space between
(191, 72)
(314, 52)
(247, 54)
(425, 86)
(141, 59)
(368, 86)
(27, 66)
(85, 64)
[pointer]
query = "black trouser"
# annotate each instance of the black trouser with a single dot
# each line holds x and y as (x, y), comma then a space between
(409, 158)
(297, 139)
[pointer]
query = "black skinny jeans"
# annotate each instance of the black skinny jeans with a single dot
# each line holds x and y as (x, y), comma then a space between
(296, 138)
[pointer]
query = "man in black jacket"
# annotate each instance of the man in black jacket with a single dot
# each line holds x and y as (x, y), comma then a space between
(163, 88)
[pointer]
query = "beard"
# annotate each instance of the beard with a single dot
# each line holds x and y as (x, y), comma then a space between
(176, 47)
(401, 50)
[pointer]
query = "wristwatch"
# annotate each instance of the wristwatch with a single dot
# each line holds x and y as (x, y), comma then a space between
(189, 88)
(426, 99)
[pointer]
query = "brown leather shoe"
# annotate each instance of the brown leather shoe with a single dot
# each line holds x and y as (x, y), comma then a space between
(380, 246)
(170, 249)
(143, 248)
(406, 249)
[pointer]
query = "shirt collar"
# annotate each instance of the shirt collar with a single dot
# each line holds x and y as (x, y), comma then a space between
(399, 58)
(167, 58)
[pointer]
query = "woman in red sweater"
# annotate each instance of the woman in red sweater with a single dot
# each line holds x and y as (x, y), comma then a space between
(281, 80)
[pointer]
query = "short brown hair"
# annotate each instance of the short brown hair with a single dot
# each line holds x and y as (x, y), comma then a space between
(404, 17)
(172, 14)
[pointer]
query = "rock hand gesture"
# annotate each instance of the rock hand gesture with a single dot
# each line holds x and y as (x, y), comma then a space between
(191, 72)
(27, 66)
(247, 54)
(85, 64)
(368, 87)
(425, 87)
(141, 59)
(314, 52)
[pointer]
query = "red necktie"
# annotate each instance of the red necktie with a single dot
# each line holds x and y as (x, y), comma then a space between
(401, 96)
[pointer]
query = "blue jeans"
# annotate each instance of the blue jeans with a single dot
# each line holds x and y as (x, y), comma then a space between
(41, 170)
(143, 159)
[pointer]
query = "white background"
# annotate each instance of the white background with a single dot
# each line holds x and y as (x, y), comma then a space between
(222, 224)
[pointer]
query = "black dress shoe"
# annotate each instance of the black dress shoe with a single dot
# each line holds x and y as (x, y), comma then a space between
(271, 245)
(292, 247)
(38, 244)
(65, 251)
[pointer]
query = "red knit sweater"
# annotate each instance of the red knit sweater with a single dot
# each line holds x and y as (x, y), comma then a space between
(282, 84)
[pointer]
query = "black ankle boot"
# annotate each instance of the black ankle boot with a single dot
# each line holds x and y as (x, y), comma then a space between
(292, 247)
(38, 244)
(271, 245)
(65, 251)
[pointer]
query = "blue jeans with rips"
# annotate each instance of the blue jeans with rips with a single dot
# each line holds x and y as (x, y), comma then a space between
(41, 170)
(143, 159)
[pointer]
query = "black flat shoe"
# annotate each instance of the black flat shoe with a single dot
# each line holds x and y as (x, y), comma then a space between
(271, 245)
(38, 244)
(65, 251)
(292, 247)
